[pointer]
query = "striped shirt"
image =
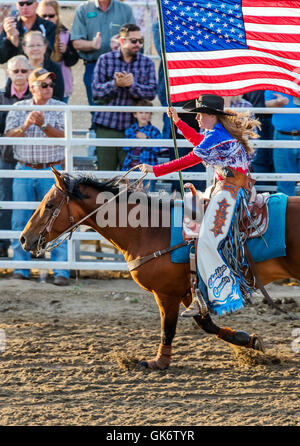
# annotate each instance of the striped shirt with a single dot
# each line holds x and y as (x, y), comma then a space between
(105, 91)
(37, 153)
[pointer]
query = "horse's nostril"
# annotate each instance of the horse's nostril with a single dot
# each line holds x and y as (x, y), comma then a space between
(22, 240)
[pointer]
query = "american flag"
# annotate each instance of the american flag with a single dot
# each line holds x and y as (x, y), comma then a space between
(229, 47)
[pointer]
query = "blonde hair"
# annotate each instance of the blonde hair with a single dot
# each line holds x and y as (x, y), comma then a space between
(56, 55)
(241, 126)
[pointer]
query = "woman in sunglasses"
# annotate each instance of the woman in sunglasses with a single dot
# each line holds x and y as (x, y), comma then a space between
(64, 53)
(14, 28)
(35, 48)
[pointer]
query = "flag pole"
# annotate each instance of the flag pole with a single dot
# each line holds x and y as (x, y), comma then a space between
(165, 67)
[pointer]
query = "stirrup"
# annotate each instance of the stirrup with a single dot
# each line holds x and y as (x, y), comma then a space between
(193, 310)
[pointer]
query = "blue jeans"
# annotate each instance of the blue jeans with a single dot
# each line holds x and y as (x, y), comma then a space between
(88, 80)
(33, 189)
(5, 195)
(286, 161)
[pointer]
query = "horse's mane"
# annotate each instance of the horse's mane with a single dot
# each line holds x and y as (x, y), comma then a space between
(112, 185)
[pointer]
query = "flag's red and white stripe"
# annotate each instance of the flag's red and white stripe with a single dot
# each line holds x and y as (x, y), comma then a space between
(272, 61)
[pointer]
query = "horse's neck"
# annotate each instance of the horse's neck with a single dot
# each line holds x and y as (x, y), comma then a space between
(132, 241)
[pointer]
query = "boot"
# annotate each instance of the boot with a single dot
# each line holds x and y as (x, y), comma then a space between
(193, 310)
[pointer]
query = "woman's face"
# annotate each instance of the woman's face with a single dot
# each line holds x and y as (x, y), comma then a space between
(47, 13)
(206, 121)
(35, 47)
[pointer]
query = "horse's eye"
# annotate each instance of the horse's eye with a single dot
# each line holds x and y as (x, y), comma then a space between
(49, 206)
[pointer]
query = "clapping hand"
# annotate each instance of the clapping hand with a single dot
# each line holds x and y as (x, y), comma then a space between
(62, 47)
(96, 42)
(141, 135)
(115, 42)
(123, 79)
(34, 118)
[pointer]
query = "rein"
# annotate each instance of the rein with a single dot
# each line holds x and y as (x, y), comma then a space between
(69, 231)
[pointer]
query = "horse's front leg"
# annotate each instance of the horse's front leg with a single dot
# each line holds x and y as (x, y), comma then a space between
(169, 310)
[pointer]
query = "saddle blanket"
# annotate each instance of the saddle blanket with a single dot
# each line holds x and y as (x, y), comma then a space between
(271, 245)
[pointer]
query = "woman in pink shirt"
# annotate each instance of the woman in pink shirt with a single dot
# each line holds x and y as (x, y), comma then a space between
(64, 53)
(220, 250)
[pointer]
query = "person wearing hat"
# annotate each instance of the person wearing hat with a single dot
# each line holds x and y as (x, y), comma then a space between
(36, 124)
(224, 146)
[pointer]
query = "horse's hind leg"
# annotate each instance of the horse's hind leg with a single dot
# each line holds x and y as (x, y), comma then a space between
(240, 338)
(169, 310)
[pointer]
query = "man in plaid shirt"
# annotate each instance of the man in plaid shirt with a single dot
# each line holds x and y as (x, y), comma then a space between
(121, 77)
(36, 124)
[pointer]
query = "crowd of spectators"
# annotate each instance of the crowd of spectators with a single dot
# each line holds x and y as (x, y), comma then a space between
(108, 37)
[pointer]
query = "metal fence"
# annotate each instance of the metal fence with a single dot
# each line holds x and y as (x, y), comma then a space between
(72, 143)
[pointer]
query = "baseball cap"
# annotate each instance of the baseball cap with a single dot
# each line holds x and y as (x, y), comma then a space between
(40, 74)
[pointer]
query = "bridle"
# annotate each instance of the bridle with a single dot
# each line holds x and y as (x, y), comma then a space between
(67, 234)
(49, 224)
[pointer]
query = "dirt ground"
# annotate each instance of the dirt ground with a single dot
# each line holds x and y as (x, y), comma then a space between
(71, 358)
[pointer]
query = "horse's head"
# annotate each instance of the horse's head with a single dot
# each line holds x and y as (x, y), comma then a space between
(52, 217)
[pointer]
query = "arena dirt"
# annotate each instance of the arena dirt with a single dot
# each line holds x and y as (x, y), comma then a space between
(72, 357)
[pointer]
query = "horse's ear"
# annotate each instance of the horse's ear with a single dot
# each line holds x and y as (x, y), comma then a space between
(58, 179)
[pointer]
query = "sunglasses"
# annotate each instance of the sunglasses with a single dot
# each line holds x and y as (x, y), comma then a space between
(45, 84)
(134, 41)
(50, 16)
(28, 3)
(23, 71)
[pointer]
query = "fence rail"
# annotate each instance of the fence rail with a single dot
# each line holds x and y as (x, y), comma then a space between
(70, 142)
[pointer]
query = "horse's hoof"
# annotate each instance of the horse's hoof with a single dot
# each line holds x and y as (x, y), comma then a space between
(153, 365)
(257, 343)
(144, 364)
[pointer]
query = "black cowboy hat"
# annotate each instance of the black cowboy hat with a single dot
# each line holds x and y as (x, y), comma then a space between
(207, 103)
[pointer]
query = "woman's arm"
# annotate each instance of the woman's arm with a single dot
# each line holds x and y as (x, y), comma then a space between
(189, 133)
(184, 162)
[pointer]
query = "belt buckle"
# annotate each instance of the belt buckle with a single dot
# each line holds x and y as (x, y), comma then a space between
(294, 132)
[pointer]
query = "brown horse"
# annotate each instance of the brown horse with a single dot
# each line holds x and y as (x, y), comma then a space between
(72, 199)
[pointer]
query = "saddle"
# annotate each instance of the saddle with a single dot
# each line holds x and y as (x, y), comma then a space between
(254, 223)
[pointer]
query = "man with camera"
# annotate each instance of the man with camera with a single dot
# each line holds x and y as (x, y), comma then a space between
(15, 27)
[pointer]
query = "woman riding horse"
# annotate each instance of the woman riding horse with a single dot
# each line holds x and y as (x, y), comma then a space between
(224, 146)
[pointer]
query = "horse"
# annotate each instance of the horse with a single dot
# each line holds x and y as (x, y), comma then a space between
(73, 200)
